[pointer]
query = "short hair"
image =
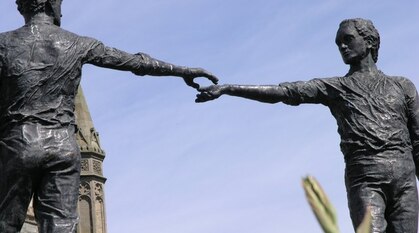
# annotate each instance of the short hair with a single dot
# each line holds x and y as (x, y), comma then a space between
(32, 6)
(367, 30)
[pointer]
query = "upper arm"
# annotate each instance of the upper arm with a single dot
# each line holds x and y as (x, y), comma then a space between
(313, 91)
(1, 62)
(100, 55)
(412, 100)
(412, 103)
(2, 48)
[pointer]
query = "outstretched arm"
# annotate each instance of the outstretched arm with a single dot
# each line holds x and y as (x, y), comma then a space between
(315, 91)
(413, 123)
(143, 64)
(263, 93)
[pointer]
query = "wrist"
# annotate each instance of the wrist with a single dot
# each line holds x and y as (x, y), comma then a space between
(225, 89)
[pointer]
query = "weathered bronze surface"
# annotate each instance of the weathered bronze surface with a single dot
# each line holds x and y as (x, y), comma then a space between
(40, 67)
(378, 122)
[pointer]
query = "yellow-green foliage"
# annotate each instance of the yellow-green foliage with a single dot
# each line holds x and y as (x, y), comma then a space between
(324, 210)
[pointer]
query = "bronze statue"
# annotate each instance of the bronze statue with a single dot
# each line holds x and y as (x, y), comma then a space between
(378, 122)
(40, 70)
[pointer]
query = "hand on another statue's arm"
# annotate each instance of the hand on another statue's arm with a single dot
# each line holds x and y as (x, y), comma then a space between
(210, 93)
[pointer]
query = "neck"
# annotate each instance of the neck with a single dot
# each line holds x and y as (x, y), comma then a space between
(366, 65)
(39, 18)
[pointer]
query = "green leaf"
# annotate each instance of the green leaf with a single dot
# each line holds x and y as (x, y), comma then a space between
(365, 226)
(320, 204)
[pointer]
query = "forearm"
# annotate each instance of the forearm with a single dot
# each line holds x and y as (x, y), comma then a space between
(416, 157)
(139, 64)
(146, 65)
(413, 119)
(262, 93)
(294, 93)
(414, 136)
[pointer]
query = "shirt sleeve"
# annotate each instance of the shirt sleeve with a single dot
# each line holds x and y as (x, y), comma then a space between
(1, 59)
(100, 55)
(314, 91)
(140, 63)
(412, 99)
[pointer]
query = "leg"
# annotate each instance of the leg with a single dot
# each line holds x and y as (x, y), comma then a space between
(362, 196)
(17, 181)
(56, 200)
(402, 211)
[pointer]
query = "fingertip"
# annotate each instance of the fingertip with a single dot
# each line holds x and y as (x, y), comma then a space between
(215, 80)
(194, 85)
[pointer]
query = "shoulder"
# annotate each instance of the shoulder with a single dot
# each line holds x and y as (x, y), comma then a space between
(6, 37)
(403, 81)
(2, 40)
(405, 84)
(3, 36)
(328, 79)
(73, 36)
(327, 82)
(313, 83)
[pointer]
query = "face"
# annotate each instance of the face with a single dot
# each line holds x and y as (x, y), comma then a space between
(352, 46)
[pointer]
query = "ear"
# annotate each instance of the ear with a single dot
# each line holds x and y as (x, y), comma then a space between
(55, 8)
(370, 42)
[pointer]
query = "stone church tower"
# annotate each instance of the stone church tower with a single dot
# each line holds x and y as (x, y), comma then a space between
(91, 191)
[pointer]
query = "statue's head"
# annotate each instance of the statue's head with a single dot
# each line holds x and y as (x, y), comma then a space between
(28, 8)
(364, 29)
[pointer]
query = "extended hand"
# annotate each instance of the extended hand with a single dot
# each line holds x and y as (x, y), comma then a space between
(198, 72)
(209, 93)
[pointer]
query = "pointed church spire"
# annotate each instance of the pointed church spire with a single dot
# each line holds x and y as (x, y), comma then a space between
(91, 191)
(87, 137)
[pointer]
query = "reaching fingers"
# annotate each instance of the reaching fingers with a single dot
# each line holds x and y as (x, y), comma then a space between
(191, 83)
(204, 73)
(198, 72)
(212, 78)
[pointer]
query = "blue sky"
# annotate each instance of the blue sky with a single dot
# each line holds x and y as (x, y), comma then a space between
(231, 165)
